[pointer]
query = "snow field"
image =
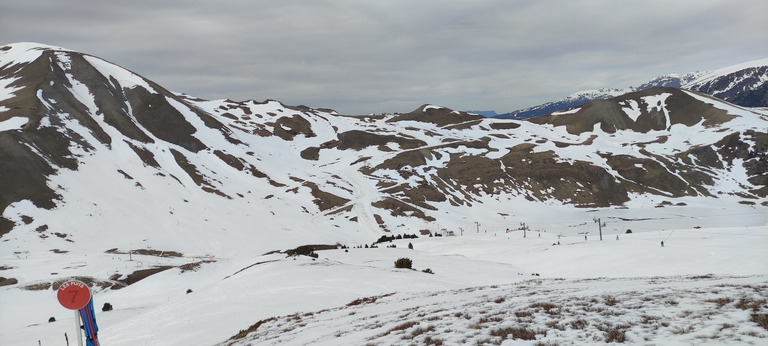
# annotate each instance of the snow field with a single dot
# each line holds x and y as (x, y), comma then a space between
(234, 292)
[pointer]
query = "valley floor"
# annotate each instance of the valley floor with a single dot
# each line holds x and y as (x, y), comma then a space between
(707, 285)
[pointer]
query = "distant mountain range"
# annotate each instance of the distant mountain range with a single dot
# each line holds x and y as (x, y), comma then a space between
(744, 84)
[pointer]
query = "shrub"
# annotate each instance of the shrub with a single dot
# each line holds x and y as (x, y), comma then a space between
(428, 271)
(429, 341)
(610, 301)
(410, 246)
(749, 304)
(303, 250)
(402, 326)
(720, 301)
(761, 320)
(543, 305)
(405, 263)
(52, 319)
(615, 335)
(579, 324)
(106, 307)
(522, 333)
(524, 313)
(367, 300)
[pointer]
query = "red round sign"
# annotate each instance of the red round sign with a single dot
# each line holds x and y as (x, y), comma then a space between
(74, 295)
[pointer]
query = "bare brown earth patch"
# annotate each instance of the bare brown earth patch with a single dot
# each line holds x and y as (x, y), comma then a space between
(196, 176)
(504, 126)
(29, 180)
(188, 167)
(230, 160)
(145, 155)
(538, 176)
(243, 333)
(7, 281)
(323, 200)
(658, 140)
(5, 225)
(543, 175)
(690, 111)
(289, 127)
(399, 208)
(194, 266)
(163, 120)
(649, 176)
(358, 140)
(139, 275)
(756, 162)
(310, 153)
(437, 116)
(463, 126)
(380, 221)
(683, 109)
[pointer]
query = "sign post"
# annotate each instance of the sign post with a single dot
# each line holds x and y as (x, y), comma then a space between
(74, 295)
(77, 329)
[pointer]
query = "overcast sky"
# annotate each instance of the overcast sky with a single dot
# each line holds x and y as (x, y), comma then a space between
(373, 56)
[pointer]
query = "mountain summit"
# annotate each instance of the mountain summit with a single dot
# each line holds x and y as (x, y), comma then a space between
(744, 84)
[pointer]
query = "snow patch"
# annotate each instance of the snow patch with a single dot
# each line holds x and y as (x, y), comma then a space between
(126, 78)
(570, 111)
(632, 110)
(658, 102)
(14, 123)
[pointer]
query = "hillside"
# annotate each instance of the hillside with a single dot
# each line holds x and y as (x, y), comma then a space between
(743, 84)
(180, 211)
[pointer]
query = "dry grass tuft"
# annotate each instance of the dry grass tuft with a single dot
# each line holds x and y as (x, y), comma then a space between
(760, 319)
(521, 333)
(720, 302)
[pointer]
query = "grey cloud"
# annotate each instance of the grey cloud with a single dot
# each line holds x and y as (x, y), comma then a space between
(377, 56)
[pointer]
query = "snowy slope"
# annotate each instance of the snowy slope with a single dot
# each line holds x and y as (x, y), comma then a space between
(471, 272)
(743, 84)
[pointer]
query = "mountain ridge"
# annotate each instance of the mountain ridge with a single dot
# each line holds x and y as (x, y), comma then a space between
(78, 106)
(745, 84)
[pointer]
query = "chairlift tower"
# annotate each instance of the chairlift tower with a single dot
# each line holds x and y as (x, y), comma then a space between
(599, 226)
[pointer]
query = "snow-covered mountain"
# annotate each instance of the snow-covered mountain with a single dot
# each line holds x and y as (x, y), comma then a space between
(179, 210)
(744, 84)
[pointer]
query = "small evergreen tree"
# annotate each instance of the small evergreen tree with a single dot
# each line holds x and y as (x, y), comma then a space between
(404, 263)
